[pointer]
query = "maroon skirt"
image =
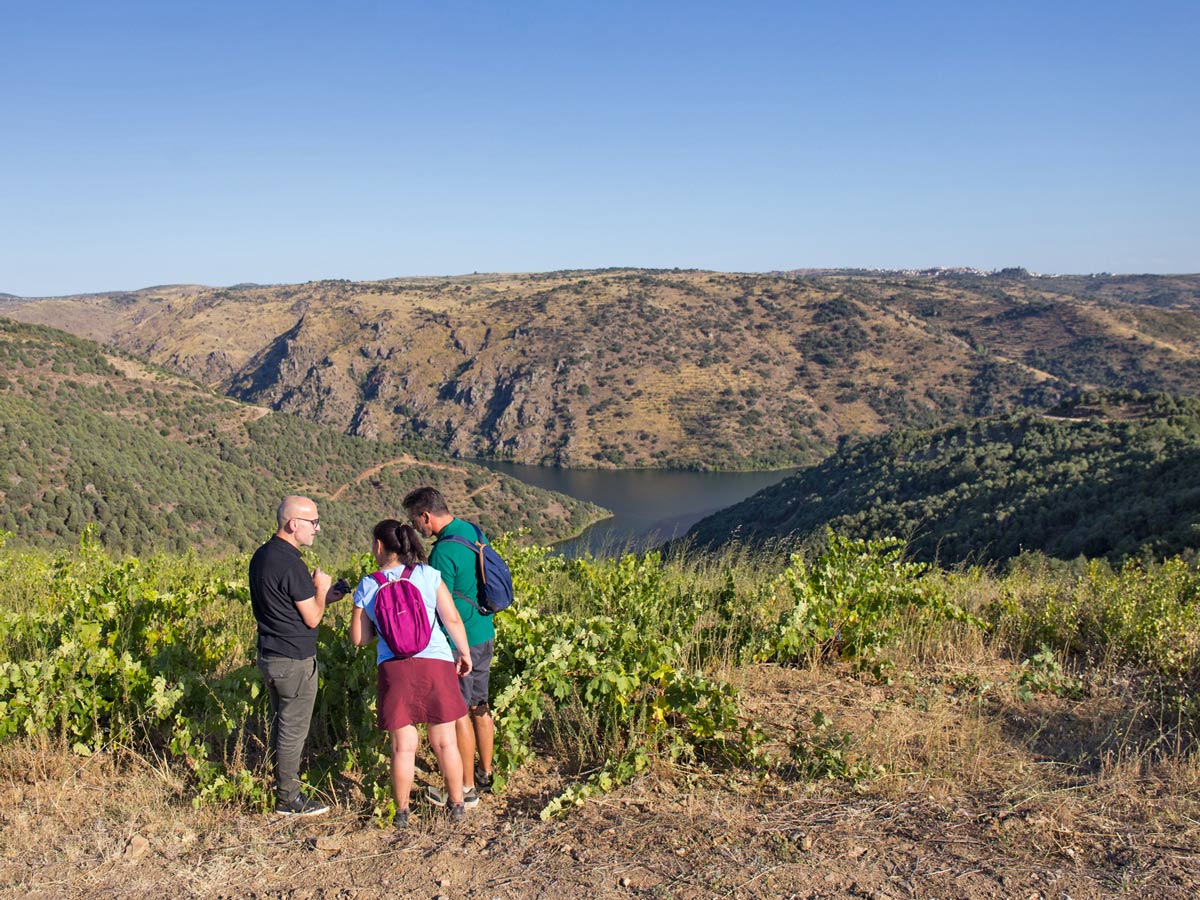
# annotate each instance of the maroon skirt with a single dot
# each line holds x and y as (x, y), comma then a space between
(414, 691)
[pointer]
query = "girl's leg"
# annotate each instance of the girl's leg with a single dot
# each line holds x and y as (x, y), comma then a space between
(404, 754)
(444, 742)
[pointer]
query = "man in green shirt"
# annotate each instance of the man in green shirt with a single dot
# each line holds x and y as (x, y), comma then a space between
(430, 516)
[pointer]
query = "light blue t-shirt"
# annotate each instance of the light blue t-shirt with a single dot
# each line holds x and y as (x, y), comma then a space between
(427, 579)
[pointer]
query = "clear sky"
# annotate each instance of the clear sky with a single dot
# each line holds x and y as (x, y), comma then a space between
(219, 142)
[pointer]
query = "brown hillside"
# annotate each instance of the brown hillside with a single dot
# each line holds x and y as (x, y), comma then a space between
(655, 368)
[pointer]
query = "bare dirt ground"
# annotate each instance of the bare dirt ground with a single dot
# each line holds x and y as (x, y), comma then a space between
(976, 803)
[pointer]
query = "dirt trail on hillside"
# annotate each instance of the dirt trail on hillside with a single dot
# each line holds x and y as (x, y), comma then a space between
(407, 460)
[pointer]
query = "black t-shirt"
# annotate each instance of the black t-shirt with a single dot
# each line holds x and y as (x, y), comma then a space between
(278, 581)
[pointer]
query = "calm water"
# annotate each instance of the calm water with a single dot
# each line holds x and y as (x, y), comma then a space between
(648, 507)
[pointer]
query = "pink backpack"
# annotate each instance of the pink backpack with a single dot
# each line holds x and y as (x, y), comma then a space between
(400, 616)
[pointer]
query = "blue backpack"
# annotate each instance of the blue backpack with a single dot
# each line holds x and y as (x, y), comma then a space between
(495, 580)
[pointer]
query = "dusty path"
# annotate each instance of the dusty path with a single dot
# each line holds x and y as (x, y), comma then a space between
(408, 460)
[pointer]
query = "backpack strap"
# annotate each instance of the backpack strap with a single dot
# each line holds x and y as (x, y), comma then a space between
(480, 540)
(476, 549)
(383, 579)
(471, 603)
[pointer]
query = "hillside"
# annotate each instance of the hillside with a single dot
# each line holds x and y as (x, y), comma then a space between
(624, 368)
(1106, 475)
(154, 461)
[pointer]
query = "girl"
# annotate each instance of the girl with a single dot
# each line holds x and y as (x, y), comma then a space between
(419, 688)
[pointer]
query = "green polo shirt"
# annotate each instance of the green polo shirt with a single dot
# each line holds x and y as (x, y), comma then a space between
(459, 568)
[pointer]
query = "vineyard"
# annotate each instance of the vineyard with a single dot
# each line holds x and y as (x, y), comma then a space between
(614, 674)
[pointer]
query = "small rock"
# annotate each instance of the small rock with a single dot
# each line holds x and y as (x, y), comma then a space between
(329, 842)
(137, 847)
(624, 882)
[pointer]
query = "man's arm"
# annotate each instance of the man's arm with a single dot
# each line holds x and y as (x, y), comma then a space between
(312, 609)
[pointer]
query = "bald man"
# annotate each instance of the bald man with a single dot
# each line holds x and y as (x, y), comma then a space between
(289, 602)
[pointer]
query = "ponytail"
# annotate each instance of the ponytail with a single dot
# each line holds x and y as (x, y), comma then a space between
(402, 541)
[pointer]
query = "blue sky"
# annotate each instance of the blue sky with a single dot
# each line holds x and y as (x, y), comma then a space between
(218, 142)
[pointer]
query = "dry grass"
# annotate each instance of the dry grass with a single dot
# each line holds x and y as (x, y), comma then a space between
(984, 795)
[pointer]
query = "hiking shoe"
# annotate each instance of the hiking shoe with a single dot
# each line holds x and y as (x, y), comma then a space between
(301, 806)
(440, 796)
(436, 795)
(483, 780)
(457, 813)
(401, 820)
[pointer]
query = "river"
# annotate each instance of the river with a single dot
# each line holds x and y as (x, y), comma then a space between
(649, 506)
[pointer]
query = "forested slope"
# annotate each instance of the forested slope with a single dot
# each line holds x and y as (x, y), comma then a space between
(153, 461)
(1109, 475)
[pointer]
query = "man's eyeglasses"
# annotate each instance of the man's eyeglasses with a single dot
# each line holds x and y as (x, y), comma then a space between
(315, 523)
